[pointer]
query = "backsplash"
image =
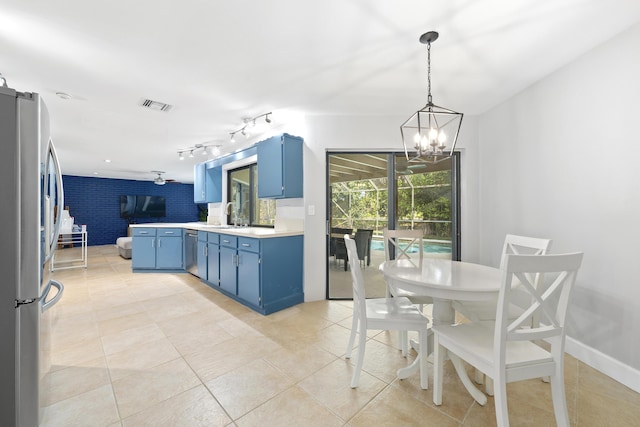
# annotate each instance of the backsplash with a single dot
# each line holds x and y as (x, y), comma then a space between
(289, 214)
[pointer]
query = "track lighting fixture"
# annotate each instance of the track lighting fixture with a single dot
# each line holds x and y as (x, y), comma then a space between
(249, 123)
(213, 149)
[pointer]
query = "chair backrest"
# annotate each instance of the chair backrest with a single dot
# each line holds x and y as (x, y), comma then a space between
(363, 242)
(549, 304)
(522, 245)
(399, 244)
(356, 275)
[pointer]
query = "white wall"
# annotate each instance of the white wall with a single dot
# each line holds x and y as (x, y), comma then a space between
(561, 160)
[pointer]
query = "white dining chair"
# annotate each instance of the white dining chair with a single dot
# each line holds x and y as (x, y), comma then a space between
(397, 314)
(486, 310)
(398, 244)
(505, 349)
(513, 245)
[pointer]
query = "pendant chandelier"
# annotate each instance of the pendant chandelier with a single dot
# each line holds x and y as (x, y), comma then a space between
(430, 134)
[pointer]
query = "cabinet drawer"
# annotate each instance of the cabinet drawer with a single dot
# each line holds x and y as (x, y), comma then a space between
(229, 241)
(143, 231)
(213, 238)
(249, 244)
(168, 232)
(202, 236)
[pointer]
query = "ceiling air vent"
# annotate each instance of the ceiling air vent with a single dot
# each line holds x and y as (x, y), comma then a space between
(155, 105)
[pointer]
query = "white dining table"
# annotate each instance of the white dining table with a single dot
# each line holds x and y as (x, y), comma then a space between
(445, 281)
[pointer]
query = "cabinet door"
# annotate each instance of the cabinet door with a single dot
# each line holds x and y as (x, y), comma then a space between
(199, 185)
(228, 269)
(270, 167)
(213, 264)
(280, 167)
(249, 277)
(213, 183)
(169, 252)
(202, 260)
(143, 252)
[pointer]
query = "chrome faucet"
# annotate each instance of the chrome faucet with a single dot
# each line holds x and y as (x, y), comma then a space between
(229, 210)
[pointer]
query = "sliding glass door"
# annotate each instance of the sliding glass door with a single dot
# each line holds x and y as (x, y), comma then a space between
(368, 192)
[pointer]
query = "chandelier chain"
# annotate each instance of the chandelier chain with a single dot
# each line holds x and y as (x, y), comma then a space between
(429, 99)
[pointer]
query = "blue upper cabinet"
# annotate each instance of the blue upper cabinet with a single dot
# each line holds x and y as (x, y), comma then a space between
(214, 183)
(207, 183)
(280, 167)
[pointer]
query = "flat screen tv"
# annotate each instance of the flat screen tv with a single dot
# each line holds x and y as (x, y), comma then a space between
(142, 207)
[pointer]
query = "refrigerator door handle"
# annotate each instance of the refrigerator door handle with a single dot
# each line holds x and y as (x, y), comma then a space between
(46, 305)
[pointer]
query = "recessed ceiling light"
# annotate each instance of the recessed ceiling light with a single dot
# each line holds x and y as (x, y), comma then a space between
(107, 160)
(63, 95)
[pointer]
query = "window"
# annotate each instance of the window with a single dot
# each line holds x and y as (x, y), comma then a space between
(247, 207)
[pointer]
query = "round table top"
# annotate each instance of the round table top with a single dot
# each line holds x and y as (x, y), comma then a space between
(446, 279)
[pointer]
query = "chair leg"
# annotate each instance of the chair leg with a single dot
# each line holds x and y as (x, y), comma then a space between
(424, 351)
(404, 342)
(362, 341)
(559, 400)
(352, 337)
(439, 353)
(500, 400)
(488, 386)
(479, 377)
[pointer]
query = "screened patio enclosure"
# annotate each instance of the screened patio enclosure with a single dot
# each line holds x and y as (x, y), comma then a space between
(373, 191)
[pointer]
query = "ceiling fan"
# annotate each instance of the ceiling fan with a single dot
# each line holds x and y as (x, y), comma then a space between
(159, 180)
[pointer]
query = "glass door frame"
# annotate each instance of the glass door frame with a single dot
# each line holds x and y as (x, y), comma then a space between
(391, 203)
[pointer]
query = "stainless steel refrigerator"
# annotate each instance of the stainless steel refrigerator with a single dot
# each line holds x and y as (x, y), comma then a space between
(31, 202)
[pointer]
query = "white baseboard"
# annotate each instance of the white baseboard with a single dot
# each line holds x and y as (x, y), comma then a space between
(609, 366)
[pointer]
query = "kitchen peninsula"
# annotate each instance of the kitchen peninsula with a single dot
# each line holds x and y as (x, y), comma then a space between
(258, 267)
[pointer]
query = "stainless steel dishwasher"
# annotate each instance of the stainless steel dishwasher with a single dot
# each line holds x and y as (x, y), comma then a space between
(191, 252)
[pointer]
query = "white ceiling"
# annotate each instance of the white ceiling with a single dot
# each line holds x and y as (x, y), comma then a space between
(218, 62)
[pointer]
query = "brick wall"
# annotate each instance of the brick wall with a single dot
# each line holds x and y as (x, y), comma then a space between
(96, 203)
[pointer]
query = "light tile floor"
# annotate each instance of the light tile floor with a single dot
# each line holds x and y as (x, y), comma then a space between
(166, 350)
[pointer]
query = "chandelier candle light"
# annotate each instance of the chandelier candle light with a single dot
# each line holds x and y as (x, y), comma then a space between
(430, 134)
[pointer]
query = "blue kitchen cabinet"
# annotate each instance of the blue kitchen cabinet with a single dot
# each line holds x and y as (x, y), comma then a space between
(265, 274)
(249, 271)
(228, 264)
(143, 248)
(202, 258)
(213, 259)
(214, 183)
(280, 167)
(207, 183)
(157, 249)
(199, 184)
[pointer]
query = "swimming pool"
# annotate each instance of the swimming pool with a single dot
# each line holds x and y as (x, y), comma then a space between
(378, 245)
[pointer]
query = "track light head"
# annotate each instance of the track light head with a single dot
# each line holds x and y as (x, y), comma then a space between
(267, 119)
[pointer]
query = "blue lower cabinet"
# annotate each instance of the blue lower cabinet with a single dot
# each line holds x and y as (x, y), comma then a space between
(213, 264)
(202, 255)
(263, 274)
(249, 277)
(228, 270)
(157, 249)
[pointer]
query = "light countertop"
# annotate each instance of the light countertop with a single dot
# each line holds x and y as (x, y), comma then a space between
(257, 232)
